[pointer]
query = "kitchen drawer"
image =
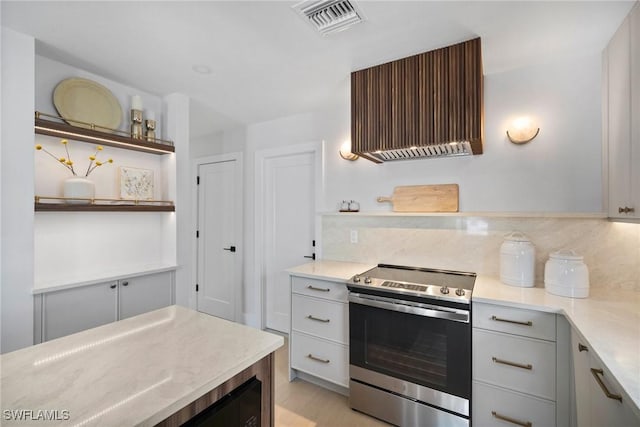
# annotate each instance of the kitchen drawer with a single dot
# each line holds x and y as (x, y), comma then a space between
(517, 321)
(322, 318)
(520, 408)
(319, 288)
(321, 358)
(492, 349)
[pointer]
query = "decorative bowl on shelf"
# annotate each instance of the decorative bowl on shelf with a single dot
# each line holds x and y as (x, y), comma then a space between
(83, 103)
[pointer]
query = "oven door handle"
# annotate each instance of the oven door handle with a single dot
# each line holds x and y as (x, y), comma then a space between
(426, 310)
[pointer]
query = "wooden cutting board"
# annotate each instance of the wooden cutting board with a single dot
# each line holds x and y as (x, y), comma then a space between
(424, 198)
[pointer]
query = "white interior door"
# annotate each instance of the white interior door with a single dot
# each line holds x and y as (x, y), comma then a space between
(219, 217)
(288, 229)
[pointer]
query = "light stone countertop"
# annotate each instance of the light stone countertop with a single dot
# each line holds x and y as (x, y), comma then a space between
(334, 271)
(609, 322)
(137, 371)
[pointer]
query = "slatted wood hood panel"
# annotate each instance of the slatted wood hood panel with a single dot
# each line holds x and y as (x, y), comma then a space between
(426, 105)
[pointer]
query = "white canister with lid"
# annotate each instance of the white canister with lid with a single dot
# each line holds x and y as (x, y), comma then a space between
(566, 274)
(517, 260)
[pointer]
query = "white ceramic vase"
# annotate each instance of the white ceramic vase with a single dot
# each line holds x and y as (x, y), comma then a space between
(79, 188)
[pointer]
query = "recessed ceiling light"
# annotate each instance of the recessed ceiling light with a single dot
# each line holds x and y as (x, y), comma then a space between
(202, 69)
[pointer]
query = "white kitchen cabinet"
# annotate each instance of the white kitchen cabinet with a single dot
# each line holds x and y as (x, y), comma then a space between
(141, 294)
(520, 367)
(67, 311)
(505, 407)
(517, 363)
(73, 310)
(319, 339)
(621, 99)
(596, 395)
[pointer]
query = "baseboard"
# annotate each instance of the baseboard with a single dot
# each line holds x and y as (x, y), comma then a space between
(322, 383)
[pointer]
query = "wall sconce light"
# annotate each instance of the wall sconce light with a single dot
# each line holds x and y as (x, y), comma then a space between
(345, 152)
(522, 130)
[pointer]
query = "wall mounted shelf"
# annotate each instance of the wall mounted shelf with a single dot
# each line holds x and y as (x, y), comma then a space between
(61, 204)
(94, 136)
(58, 207)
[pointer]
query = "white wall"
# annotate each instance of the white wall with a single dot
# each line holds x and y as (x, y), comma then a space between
(50, 72)
(223, 142)
(560, 171)
(18, 67)
(179, 189)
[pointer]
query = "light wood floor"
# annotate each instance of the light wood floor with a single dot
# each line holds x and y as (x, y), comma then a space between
(302, 404)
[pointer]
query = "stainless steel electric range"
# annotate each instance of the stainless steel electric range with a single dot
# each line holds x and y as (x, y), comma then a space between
(410, 345)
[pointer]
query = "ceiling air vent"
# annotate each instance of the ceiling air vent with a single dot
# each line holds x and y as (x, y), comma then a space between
(329, 16)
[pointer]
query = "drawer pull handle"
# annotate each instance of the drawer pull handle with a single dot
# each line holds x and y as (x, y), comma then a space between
(317, 359)
(582, 347)
(515, 322)
(317, 319)
(511, 420)
(313, 288)
(528, 366)
(596, 374)
(626, 209)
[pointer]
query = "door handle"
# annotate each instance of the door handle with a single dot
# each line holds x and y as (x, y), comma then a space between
(528, 366)
(597, 373)
(312, 256)
(230, 249)
(515, 322)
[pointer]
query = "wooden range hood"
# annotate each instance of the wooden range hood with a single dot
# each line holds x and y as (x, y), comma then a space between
(426, 105)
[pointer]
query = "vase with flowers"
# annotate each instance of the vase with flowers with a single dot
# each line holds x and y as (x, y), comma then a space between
(77, 189)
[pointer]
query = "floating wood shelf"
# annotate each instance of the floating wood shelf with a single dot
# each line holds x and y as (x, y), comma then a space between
(64, 130)
(62, 204)
(59, 207)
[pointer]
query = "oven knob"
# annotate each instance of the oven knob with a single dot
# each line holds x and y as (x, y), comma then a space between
(367, 280)
(460, 292)
(444, 290)
(356, 279)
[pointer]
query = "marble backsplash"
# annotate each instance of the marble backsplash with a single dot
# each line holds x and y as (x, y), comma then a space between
(611, 250)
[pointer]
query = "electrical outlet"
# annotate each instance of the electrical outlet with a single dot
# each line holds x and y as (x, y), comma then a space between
(354, 236)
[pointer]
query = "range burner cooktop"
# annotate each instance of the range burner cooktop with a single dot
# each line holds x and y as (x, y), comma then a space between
(426, 283)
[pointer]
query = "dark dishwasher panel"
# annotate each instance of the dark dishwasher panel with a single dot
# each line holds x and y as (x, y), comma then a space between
(240, 408)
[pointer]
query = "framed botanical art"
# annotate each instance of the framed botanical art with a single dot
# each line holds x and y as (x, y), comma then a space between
(136, 184)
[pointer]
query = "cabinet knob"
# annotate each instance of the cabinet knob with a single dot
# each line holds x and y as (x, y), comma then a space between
(125, 283)
(626, 209)
(582, 347)
(113, 286)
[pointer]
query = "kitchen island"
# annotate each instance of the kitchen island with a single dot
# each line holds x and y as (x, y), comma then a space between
(159, 367)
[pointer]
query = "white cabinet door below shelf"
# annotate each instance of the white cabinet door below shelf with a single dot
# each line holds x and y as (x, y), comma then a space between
(582, 380)
(73, 310)
(606, 411)
(145, 293)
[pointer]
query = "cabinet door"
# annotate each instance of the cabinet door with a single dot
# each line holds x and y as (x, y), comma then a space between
(635, 110)
(607, 411)
(619, 120)
(498, 407)
(517, 363)
(74, 310)
(582, 380)
(145, 293)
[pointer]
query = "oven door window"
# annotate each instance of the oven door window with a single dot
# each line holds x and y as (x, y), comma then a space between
(423, 350)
